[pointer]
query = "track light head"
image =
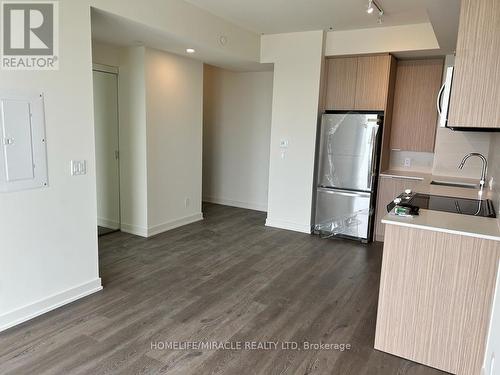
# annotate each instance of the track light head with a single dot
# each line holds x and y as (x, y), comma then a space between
(369, 9)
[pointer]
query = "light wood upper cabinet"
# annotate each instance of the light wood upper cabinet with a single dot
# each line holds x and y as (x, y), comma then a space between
(372, 82)
(415, 113)
(358, 83)
(475, 93)
(341, 86)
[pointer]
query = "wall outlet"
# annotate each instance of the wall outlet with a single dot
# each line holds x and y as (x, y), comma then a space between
(407, 163)
(187, 202)
(78, 167)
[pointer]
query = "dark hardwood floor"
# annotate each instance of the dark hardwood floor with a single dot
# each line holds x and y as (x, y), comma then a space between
(225, 279)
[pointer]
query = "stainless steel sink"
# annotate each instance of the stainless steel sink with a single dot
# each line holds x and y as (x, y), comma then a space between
(464, 185)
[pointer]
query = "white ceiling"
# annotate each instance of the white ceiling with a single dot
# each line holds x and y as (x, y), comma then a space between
(280, 16)
(276, 16)
(112, 29)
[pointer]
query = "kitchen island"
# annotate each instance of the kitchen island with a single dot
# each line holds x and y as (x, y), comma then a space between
(436, 292)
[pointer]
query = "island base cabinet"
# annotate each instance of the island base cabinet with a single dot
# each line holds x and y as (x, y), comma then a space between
(436, 295)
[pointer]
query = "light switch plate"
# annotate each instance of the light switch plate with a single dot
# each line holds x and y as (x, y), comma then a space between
(78, 167)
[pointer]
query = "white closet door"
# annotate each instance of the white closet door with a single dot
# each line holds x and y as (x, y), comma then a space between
(107, 156)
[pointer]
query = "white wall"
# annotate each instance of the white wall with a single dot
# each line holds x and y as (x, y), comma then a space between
(297, 59)
(49, 238)
(48, 254)
(402, 38)
(133, 138)
(161, 104)
(105, 53)
(174, 92)
(236, 137)
(106, 145)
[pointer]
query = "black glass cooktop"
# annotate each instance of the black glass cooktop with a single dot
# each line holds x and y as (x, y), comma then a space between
(450, 204)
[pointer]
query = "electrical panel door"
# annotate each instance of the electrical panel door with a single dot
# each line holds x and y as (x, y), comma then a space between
(23, 160)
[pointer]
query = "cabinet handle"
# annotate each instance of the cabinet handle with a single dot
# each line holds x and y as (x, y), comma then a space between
(438, 102)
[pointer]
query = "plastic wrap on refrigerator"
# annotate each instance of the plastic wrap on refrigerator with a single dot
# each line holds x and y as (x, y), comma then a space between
(345, 225)
(329, 177)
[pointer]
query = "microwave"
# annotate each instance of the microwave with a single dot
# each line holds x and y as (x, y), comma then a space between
(443, 99)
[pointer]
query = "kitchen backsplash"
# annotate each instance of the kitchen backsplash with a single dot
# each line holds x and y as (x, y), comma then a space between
(452, 146)
(412, 161)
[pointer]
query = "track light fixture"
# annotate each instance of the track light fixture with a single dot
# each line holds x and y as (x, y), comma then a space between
(369, 10)
(371, 7)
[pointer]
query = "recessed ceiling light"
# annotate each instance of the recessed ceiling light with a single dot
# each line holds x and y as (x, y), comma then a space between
(223, 40)
(190, 50)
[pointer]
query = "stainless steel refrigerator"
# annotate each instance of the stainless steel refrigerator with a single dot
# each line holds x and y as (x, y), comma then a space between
(347, 173)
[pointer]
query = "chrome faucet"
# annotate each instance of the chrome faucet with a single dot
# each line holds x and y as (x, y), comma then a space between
(484, 169)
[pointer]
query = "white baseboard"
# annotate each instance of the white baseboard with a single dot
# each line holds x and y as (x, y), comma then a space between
(281, 224)
(239, 204)
(160, 228)
(33, 310)
(157, 229)
(106, 223)
(134, 229)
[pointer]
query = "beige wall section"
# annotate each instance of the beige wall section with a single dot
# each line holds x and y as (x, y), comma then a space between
(452, 146)
(403, 38)
(174, 103)
(236, 132)
(297, 59)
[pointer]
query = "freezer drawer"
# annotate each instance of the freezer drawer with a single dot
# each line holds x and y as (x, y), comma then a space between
(341, 212)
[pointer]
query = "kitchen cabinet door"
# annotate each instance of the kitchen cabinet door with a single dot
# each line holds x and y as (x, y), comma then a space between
(388, 189)
(415, 112)
(372, 82)
(475, 96)
(341, 84)
(435, 299)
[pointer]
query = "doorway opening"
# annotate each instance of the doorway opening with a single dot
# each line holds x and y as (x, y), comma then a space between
(105, 80)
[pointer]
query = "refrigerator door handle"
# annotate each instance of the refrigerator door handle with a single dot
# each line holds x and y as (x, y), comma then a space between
(371, 161)
(344, 193)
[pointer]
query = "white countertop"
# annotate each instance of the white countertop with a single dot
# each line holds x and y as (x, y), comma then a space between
(446, 222)
(465, 225)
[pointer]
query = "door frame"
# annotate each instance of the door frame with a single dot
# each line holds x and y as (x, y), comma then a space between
(114, 70)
